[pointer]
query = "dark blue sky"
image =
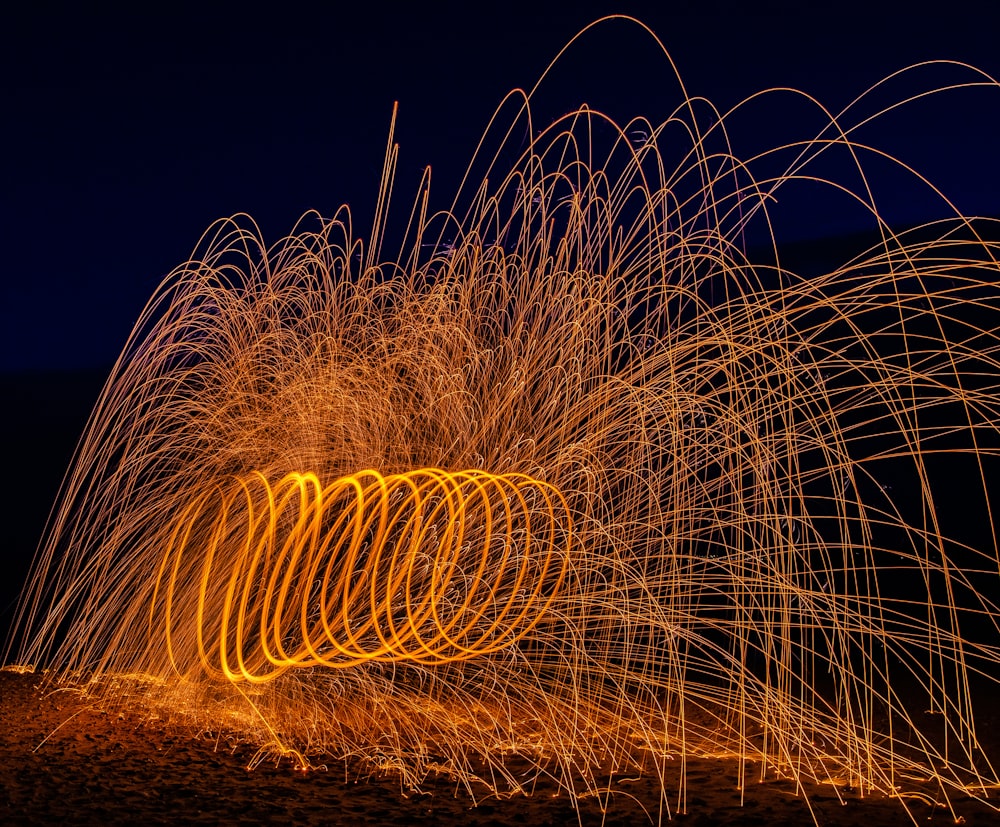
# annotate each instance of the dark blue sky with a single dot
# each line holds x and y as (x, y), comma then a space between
(126, 136)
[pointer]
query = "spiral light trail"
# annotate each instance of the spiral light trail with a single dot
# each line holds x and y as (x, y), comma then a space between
(453, 554)
(579, 478)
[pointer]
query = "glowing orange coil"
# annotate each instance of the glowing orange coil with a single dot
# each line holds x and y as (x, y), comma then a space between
(427, 566)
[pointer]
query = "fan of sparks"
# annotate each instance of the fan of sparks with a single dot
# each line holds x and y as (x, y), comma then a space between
(581, 478)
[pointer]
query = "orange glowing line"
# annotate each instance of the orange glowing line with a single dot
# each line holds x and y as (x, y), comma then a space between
(370, 558)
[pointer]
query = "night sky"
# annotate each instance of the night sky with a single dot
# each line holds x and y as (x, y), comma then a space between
(126, 136)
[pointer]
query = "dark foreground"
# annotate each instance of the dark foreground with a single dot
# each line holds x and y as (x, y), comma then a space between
(64, 762)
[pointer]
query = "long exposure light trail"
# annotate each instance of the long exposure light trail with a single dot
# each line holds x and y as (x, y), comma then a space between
(428, 567)
(580, 478)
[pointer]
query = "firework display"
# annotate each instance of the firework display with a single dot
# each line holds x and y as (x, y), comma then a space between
(585, 476)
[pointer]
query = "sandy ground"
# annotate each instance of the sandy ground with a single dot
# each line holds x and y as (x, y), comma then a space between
(64, 762)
